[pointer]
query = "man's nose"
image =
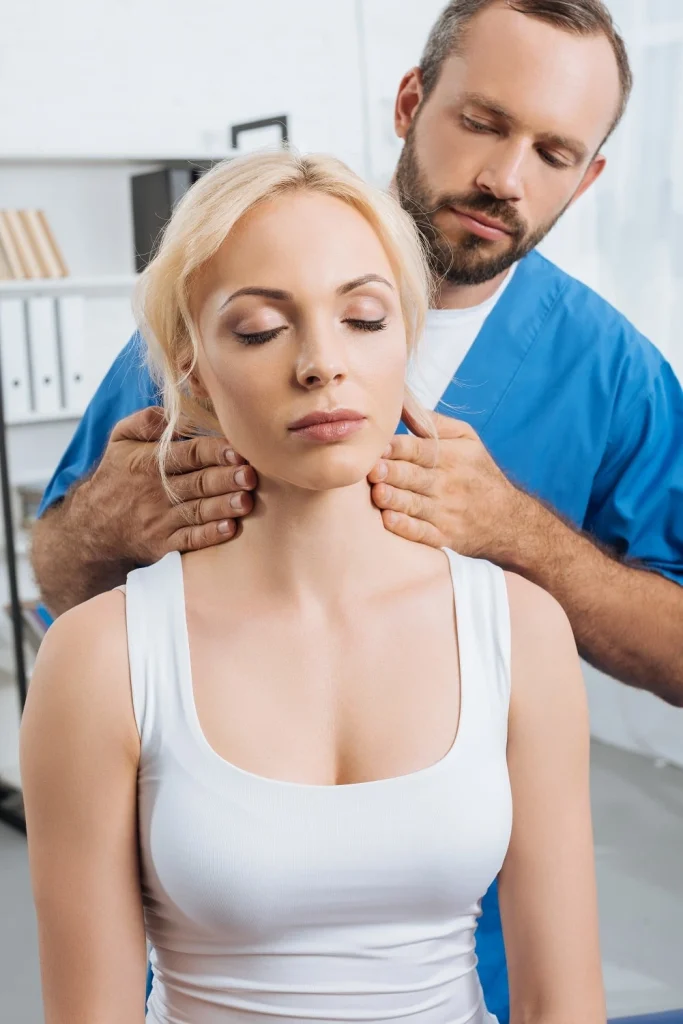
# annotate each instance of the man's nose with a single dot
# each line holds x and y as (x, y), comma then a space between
(502, 175)
(321, 361)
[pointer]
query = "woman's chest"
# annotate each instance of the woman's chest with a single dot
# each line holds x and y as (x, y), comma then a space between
(303, 698)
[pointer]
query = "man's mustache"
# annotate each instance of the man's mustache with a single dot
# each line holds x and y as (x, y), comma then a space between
(479, 202)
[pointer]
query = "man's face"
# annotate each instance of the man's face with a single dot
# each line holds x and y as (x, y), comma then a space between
(505, 141)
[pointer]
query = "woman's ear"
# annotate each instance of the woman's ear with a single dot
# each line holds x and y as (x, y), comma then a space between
(197, 389)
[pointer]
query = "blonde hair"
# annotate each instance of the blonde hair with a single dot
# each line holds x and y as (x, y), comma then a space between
(202, 221)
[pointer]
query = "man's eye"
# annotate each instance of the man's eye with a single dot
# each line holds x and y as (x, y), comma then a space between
(477, 126)
(550, 159)
(366, 325)
(259, 337)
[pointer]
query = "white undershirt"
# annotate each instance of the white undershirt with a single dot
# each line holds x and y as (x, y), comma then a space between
(449, 335)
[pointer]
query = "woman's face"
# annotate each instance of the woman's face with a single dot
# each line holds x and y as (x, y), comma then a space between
(300, 320)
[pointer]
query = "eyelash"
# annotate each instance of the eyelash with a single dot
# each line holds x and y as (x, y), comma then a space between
(366, 325)
(261, 337)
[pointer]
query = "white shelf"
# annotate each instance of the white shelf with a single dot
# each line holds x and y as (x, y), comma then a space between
(37, 417)
(92, 286)
(112, 158)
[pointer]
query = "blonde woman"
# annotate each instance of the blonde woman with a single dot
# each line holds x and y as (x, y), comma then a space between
(295, 763)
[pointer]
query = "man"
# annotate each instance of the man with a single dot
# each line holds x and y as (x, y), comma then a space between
(568, 420)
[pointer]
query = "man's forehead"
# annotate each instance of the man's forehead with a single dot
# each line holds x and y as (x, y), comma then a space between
(554, 80)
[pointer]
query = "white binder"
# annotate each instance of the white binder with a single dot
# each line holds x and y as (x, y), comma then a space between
(71, 324)
(16, 390)
(44, 352)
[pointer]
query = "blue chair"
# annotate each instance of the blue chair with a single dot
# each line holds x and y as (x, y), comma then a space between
(670, 1017)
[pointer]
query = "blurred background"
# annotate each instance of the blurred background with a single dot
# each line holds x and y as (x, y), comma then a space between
(105, 109)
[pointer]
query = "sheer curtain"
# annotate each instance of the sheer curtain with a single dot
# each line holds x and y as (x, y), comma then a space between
(625, 239)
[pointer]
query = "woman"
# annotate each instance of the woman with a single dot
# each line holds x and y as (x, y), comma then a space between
(292, 761)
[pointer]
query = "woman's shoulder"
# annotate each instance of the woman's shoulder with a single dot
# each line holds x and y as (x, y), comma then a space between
(545, 667)
(95, 629)
(81, 677)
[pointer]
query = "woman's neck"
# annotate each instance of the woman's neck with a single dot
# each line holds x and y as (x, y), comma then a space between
(311, 543)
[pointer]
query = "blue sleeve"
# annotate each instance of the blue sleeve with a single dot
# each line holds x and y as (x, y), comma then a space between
(637, 501)
(126, 388)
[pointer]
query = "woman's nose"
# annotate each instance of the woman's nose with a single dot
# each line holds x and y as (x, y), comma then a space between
(321, 362)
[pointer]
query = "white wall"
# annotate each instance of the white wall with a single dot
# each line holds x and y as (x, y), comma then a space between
(141, 76)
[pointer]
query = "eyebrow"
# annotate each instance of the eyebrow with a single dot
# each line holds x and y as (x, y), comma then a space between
(549, 138)
(277, 295)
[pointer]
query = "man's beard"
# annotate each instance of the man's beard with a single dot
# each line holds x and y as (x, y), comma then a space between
(467, 262)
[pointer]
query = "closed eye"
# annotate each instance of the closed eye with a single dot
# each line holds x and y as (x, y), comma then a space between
(551, 160)
(259, 337)
(478, 126)
(366, 325)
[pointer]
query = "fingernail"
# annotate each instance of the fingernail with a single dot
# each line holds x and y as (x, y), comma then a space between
(241, 478)
(230, 457)
(225, 526)
(389, 517)
(382, 471)
(236, 501)
(387, 452)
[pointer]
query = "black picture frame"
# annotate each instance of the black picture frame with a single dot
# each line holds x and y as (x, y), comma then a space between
(281, 121)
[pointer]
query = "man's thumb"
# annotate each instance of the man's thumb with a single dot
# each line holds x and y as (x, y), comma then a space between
(144, 425)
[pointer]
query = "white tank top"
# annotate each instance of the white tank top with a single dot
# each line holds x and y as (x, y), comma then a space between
(270, 901)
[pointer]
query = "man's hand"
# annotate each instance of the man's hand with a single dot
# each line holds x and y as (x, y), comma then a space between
(210, 481)
(450, 493)
(122, 517)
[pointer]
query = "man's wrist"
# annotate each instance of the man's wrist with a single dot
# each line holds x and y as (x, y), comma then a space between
(101, 545)
(540, 544)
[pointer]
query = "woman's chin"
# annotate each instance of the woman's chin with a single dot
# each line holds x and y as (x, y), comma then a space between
(333, 468)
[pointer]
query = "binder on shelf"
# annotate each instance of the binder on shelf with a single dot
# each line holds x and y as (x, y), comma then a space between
(9, 248)
(14, 354)
(71, 334)
(23, 244)
(5, 269)
(51, 249)
(154, 196)
(39, 245)
(44, 354)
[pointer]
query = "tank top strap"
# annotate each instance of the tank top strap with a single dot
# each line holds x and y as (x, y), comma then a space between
(483, 618)
(157, 649)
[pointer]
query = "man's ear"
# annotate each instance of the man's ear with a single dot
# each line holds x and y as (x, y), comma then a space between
(408, 100)
(593, 172)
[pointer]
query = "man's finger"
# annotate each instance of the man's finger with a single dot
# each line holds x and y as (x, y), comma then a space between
(413, 529)
(444, 426)
(395, 500)
(212, 482)
(144, 425)
(405, 475)
(417, 450)
(198, 453)
(448, 426)
(193, 538)
(212, 510)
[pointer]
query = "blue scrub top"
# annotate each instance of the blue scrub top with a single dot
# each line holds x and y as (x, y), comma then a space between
(574, 405)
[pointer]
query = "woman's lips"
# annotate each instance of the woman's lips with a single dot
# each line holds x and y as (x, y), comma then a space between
(332, 430)
(329, 426)
(480, 228)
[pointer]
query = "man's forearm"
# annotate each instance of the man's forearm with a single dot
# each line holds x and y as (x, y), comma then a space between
(627, 622)
(71, 555)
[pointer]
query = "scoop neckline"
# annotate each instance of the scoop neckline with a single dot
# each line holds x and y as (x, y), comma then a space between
(255, 778)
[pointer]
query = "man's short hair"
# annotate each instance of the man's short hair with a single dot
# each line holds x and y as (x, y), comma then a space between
(581, 17)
